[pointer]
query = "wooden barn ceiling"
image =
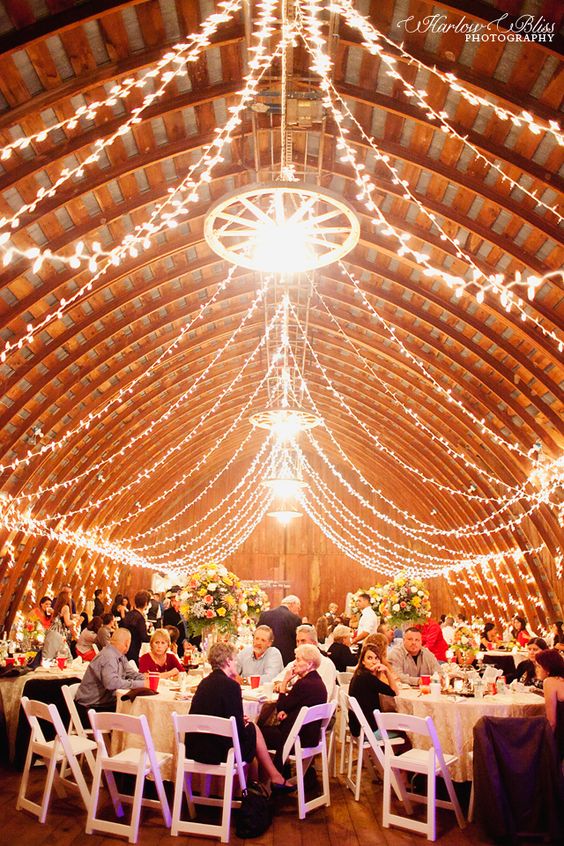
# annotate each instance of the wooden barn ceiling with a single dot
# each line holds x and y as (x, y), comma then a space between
(58, 56)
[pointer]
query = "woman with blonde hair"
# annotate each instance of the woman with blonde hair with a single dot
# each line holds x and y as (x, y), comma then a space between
(160, 659)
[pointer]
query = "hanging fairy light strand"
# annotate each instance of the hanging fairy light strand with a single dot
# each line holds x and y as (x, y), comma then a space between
(128, 389)
(375, 541)
(314, 24)
(414, 359)
(171, 65)
(148, 430)
(480, 280)
(418, 422)
(146, 472)
(166, 213)
(378, 443)
(372, 36)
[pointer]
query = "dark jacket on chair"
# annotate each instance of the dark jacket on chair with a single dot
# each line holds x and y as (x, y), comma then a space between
(517, 778)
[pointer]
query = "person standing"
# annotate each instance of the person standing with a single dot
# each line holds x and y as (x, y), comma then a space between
(99, 607)
(368, 621)
(135, 622)
(433, 639)
(284, 621)
(173, 617)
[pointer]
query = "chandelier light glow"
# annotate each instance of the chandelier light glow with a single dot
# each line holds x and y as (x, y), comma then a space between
(282, 227)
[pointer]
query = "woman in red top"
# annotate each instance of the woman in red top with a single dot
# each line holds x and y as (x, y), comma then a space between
(519, 631)
(159, 659)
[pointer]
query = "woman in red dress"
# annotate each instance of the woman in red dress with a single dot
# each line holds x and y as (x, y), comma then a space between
(159, 659)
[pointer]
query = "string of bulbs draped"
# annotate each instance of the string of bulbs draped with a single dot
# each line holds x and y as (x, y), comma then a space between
(53, 490)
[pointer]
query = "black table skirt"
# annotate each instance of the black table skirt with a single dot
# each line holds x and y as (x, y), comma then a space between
(43, 690)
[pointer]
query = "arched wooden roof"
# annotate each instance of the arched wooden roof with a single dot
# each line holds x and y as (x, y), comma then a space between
(505, 371)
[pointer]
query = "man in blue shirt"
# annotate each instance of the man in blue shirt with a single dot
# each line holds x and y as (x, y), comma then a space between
(262, 658)
(108, 672)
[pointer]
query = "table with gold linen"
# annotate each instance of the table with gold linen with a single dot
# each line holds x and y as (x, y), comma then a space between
(456, 716)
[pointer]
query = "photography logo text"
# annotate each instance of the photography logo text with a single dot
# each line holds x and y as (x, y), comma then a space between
(523, 28)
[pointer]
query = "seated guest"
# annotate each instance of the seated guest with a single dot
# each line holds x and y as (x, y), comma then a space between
(219, 695)
(433, 640)
(340, 650)
(173, 633)
(489, 638)
(306, 634)
(159, 659)
(301, 685)
(322, 629)
(519, 631)
(108, 672)
(387, 631)
(411, 659)
(555, 638)
(134, 621)
(527, 670)
(106, 630)
(55, 645)
(43, 612)
(371, 679)
(87, 639)
(262, 658)
(550, 669)
(331, 615)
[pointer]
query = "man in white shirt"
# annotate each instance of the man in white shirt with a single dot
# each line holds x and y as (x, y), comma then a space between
(368, 621)
(262, 658)
(327, 670)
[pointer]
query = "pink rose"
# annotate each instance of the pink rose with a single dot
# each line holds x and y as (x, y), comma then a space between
(208, 599)
(209, 613)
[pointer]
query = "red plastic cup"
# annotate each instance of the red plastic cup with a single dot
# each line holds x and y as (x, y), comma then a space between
(61, 663)
(425, 679)
(186, 659)
(492, 688)
(22, 659)
(154, 681)
(255, 681)
(10, 661)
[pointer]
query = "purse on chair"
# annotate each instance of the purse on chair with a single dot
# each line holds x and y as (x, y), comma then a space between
(255, 814)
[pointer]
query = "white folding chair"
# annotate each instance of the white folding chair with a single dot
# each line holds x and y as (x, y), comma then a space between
(76, 729)
(186, 767)
(140, 762)
(342, 717)
(367, 742)
(294, 752)
(430, 762)
(64, 749)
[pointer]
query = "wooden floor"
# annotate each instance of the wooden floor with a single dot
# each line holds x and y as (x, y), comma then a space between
(344, 823)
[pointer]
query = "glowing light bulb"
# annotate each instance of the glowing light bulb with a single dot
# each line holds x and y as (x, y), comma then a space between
(282, 247)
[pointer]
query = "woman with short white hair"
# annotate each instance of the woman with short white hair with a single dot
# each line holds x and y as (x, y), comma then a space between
(302, 685)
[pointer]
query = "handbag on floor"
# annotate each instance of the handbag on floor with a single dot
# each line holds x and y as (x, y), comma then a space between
(255, 814)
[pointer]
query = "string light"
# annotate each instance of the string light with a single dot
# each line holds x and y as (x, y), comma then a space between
(371, 34)
(177, 58)
(86, 422)
(166, 213)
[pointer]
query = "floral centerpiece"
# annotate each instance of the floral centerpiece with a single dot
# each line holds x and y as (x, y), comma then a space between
(254, 600)
(464, 644)
(405, 600)
(211, 599)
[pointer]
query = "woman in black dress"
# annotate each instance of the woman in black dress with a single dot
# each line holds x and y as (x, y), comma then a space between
(527, 670)
(372, 679)
(219, 695)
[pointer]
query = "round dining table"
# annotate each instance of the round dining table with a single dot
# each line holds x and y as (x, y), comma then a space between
(455, 717)
(159, 709)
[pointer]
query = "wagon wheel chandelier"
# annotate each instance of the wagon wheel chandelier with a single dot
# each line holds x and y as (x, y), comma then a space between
(282, 227)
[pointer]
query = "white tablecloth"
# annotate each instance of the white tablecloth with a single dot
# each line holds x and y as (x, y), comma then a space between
(455, 717)
(158, 710)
